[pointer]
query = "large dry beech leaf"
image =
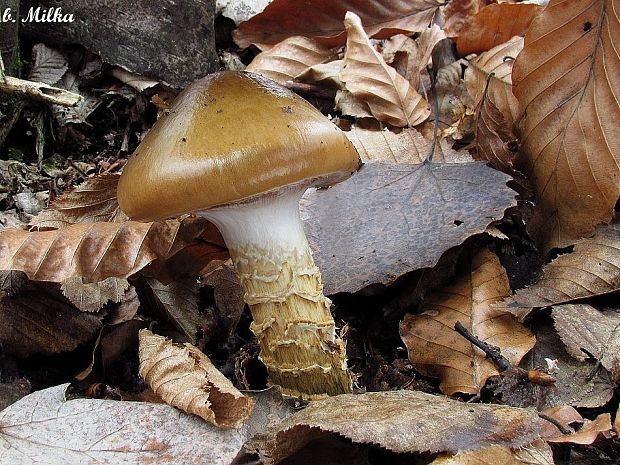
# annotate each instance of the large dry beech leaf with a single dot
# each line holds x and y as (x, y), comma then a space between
(390, 97)
(91, 297)
(400, 421)
(39, 320)
(567, 81)
(488, 81)
(322, 20)
(537, 453)
(184, 377)
(94, 251)
(437, 350)
(592, 269)
(390, 219)
(494, 25)
(92, 201)
(289, 58)
(45, 428)
(408, 146)
(583, 327)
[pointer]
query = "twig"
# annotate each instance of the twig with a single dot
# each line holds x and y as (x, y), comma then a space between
(491, 351)
(39, 91)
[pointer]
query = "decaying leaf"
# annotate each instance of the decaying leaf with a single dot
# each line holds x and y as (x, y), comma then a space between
(390, 219)
(390, 97)
(91, 297)
(39, 320)
(538, 453)
(566, 82)
(437, 350)
(184, 377)
(400, 421)
(592, 269)
(494, 25)
(460, 14)
(48, 66)
(79, 113)
(92, 201)
(289, 58)
(94, 251)
(408, 146)
(587, 433)
(322, 20)
(228, 295)
(12, 281)
(584, 330)
(46, 428)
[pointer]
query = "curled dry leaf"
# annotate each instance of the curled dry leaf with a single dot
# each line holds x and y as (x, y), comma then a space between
(92, 201)
(394, 218)
(437, 350)
(289, 58)
(400, 421)
(390, 97)
(408, 146)
(322, 20)
(39, 320)
(185, 377)
(592, 269)
(587, 434)
(94, 251)
(537, 453)
(91, 297)
(585, 330)
(566, 82)
(44, 427)
(494, 25)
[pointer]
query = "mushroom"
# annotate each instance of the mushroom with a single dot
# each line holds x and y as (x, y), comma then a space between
(240, 150)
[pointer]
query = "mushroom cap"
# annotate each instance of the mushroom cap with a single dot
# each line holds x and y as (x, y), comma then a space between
(229, 137)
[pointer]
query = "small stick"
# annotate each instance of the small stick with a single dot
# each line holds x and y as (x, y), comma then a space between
(491, 351)
(39, 91)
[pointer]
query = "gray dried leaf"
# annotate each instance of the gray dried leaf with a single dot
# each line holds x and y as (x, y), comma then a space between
(49, 65)
(79, 113)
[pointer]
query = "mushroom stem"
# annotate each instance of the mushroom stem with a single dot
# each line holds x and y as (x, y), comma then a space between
(292, 320)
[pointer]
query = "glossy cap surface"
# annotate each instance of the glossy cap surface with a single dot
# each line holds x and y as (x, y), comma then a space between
(228, 137)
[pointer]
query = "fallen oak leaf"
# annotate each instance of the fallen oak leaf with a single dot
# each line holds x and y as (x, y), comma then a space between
(185, 378)
(389, 96)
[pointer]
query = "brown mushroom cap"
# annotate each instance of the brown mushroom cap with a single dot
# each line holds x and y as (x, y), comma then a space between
(229, 137)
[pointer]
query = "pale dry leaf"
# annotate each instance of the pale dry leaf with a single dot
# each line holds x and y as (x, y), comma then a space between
(327, 74)
(185, 378)
(45, 428)
(537, 453)
(48, 65)
(435, 349)
(566, 81)
(92, 201)
(290, 58)
(495, 24)
(399, 421)
(322, 20)
(499, 454)
(91, 297)
(583, 327)
(77, 114)
(395, 218)
(348, 104)
(592, 269)
(408, 146)
(133, 80)
(39, 320)
(588, 433)
(178, 302)
(390, 97)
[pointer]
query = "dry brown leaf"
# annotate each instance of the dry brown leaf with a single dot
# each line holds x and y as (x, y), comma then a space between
(39, 320)
(488, 81)
(598, 333)
(322, 20)
(368, 77)
(348, 104)
(94, 251)
(588, 433)
(228, 295)
(566, 82)
(494, 25)
(437, 350)
(538, 453)
(12, 281)
(327, 74)
(289, 58)
(592, 269)
(459, 13)
(394, 218)
(564, 415)
(185, 378)
(400, 421)
(91, 297)
(408, 146)
(92, 201)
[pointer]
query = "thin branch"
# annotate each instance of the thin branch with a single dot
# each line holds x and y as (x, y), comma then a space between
(491, 351)
(39, 91)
